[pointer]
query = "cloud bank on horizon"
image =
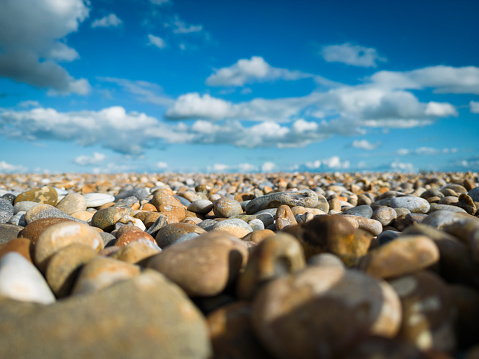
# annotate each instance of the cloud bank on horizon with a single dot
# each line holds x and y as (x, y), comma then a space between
(247, 104)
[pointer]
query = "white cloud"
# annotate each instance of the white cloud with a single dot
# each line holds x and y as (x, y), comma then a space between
(365, 145)
(32, 41)
(402, 151)
(162, 165)
(335, 162)
(427, 151)
(180, 27)
(351, 55)
(156, 41)
(248, 71)
(443, 79)
(474, 106)
(247, 167)
(313, 165)
(29, 103)
(440, 109)
(90, 160)
(9, 168)
(108, 21)
(402, 166)
(192, 105)
(268, 167)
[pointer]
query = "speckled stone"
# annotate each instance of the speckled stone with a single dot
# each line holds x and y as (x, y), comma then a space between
(61, 235)
(414, 204)
(427, 311)
(384, 215)
(406, 254)
(227, 207)
(136, 236)
(305, 198)
(139, 193)
(102, 272)
(274, 257)
(322, 310)
(97, 199)
(64, 266)
(24, 206)
(135, 252)
(142, 318)
(170, 233)
(46, 211)
(203, 266)
(20, 280)
(360, 211)
(71, 203)
(284, 217)
(106, 218)
(202, 206)
(6, 211)
(235, 227)
(45, 195)
(9, 232)
(33, 230)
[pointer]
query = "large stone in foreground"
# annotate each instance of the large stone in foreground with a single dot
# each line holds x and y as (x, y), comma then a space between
(144, 317)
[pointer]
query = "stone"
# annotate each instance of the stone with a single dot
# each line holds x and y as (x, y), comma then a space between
(94, 199)
(139, 193)
(71, 203)
(375, 347)
(325, 259)
(440, 218)
(136, 236)
(142, 318)
(467, 204)
(403, 255)
(9, 232)
(46, 211)
(84, 216)
(24, 206)
(106, 219)
(164, 197)
(284, 217)
(20, 245)
(256, 224)
(384, 215)
(135, 252)
(18, 219)
(227, 207)
(372, 226)
(274, 257)
(334, 234)
(323, 203)
(61, 235)
(102, 272)
(360, 211)
(414, 204)
(6, 211)
(474, 194)
(427, 311)
(232, 335)
(170, 233)
(202, 206)
(387, 236)
(10, 197)
(322, 310)
(445, 207)
(204, 266)
(465, 301)
(20, 280)
(258, 236)
(63, 267)
(235, 227)
(305, 198)
(44, 195)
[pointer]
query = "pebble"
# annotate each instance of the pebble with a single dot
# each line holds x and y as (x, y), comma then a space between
(226, 207)
(474, 194)
(384, 215)
(202, 206)
(71, 203)
(44, 195)
(6, 211)
(234, 226)
(20, 245)
(24, 206)
(360, 211)
(46, 211)
(139, 193)
(284, 217)
(135, 252)
(9, 232)
(170, 233)
(20, 280)
(106, 219)
(97, 199)
(414, 204)
(306, 198)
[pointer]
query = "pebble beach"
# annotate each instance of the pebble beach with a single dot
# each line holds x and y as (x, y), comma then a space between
(270, 265)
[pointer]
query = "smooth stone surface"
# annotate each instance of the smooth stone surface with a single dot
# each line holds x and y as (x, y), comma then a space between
(97, 199)
(47, 211)
(406, 254)
(414, 204)
(474, 194)
(305, 198)
(322, 310)
(33, 230)
(203, 266)
(135, 252)
(387, 236)
(106, 219)
(284, 217)
(61, 235)
(71, 203)
(258, 236)
(170, 233)
(9, 232)
(6, 211)
(139, 193)
(445, 207)
(274, 257)
(143, 318)
(20, 280)
(135, 236)
(63, 267)
(227, 207)
(325, 259)
(102, 272)
(384, 215)
(24, 206)
(439, 219)
(44, 195)
(235, 227)
(256, 224)
(360, 211)
(18, 219)
(372, 226)
(20, 245)
(202, 206)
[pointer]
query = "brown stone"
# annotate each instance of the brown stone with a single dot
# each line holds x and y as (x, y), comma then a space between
(226, 207)
(135, 252)
(44, 195)
(106, 218)
(164, 197)
(134, 236)
(71, 203)
(178, 212)
(19, 245)
(34, 229)
(284, 217)
(171, 232)
(83, 215)
(258, 236)
(148, 207)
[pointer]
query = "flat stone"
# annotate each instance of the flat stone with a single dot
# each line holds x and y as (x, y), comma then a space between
(445, 207)
(6, 211)
(137, 318)
(102, 272)
(24, 206)
(414, 204)
(322, 310)
(61, 235)
(170, 233)
(227, 207)
(20, 280)
(44, 195)
(274, 257)
(406, 254)
(9, 232)
(202, 206)
(235, 227)
(97, 199)
(384, 215)
(360, 211)
(46, 211)
(439, 219)
(71, 203)
(305, 198)
(203, 266)
(139, 193)
(63, 267)
(372, 226)
(33, 230)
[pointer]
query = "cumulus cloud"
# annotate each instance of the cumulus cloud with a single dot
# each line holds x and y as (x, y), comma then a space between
(365, 145)
(443, 79)
(193, 105)
(474, 106)
(85, 160)
(162, 165)
(401, 166)
(268, 167)
(32, 38)
(9, 168)
(108, 21)
(351, 55)
(247, 71)
(156, 41)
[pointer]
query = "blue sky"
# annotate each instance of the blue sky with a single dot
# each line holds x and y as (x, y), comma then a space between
(238, 86)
